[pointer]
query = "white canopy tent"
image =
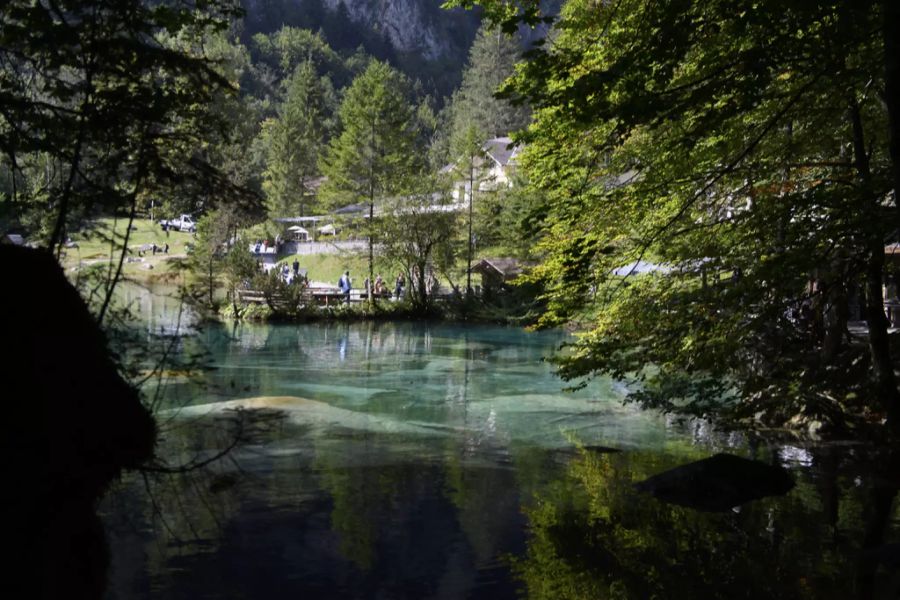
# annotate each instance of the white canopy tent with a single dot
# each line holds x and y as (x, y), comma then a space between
(298, 234)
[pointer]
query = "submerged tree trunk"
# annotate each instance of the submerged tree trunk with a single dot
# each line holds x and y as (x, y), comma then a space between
(879, 507)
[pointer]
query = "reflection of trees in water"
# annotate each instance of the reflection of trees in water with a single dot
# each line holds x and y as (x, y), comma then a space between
(593, 536)
(361, 495)
(187, 502)
(392, 521)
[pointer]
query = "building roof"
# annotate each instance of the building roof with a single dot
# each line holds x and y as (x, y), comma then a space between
(501, 150)
(13, 239)
(351, 209)
(312, 220)
(508, 268)
(639, 267)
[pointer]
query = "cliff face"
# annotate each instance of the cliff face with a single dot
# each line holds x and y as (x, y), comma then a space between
(409, 27)
(417, 36)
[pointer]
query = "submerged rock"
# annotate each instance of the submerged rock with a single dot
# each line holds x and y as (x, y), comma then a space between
(313, 413)
(717, 483)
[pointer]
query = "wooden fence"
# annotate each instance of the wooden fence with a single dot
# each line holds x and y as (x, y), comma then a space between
(320, 296)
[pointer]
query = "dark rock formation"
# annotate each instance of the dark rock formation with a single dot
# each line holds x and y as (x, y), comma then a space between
(717, 483)
(72, 425)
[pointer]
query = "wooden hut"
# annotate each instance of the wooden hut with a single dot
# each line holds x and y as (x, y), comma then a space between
(497, 273)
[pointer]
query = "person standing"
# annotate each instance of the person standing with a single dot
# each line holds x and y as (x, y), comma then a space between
(401, 282)
(346, 284)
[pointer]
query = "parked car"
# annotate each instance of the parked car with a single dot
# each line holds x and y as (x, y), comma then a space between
(182, 223)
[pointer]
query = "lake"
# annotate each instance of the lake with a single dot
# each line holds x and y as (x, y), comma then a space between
(434, 460)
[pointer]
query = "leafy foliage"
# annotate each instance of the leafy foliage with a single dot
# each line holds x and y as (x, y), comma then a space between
(419, 236)
(102, 103)
(737, 147)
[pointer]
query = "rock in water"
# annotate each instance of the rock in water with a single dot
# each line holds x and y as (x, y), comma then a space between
(717, 483)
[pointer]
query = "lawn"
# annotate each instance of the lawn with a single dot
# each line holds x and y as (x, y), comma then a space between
(94, 241)
(99, 242)
(328, 268)
(92, 247)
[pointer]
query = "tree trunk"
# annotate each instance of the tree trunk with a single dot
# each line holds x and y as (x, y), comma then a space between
(471, 204)
(879, 343)
(891, 32)
(422, 290)
(211, 282)
(369, 296)
(834, 319)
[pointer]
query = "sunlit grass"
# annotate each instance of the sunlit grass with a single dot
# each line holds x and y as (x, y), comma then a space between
(101, 242)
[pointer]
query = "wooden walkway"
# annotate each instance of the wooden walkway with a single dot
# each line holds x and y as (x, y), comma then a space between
(323, 296)
(311, 296)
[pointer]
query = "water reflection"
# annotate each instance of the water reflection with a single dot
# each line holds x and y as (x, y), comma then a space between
(489, 483)
(594, 536)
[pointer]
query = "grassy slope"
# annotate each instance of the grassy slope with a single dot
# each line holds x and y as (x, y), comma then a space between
(94, 247)
(327, 268)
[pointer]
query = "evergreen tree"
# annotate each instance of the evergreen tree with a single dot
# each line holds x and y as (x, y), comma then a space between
(296, 140)
(376, 148)
(492, 60)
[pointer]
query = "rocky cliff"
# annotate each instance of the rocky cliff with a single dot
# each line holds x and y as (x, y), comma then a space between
(409, 27)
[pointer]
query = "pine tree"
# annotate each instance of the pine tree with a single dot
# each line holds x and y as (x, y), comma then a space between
(296, 140)
(377, 145)
(492, 60)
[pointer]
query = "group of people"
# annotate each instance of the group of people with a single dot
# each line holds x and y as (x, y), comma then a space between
(291, 274)
(265, 246)
(345, 284)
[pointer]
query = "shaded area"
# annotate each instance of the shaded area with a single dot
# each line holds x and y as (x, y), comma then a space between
(717, 483)
(595, 536)
(72, 425)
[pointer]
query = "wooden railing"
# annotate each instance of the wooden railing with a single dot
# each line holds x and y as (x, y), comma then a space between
(321, 296)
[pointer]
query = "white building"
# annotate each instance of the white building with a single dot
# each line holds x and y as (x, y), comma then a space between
(493, 171)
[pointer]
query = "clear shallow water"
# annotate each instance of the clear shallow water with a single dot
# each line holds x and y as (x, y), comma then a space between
(412, 460)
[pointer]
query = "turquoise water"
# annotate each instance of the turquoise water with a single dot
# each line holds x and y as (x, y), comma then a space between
(478, 382)
(431, 460)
